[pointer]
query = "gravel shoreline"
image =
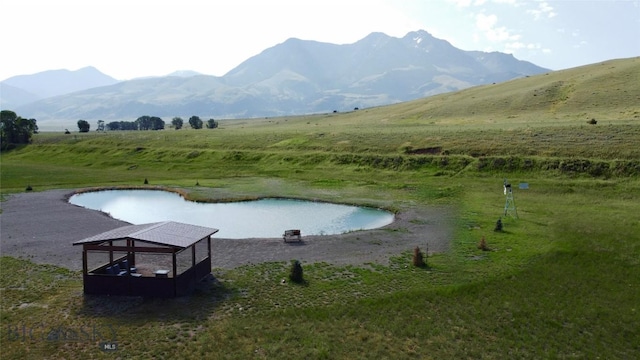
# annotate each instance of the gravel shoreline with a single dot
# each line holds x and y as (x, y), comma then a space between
(41, 227)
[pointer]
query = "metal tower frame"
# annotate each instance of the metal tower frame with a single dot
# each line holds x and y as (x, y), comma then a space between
(510, 204)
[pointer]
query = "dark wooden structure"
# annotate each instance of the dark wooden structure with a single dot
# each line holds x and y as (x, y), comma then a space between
(164, 259)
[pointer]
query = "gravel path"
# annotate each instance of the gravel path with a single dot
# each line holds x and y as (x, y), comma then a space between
(41, 227)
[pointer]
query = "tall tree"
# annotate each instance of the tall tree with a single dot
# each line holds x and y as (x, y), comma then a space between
(211, 124)
(195, 122)
(83, 126)
(114, 125)
(128, 125)
(156, 123)
(15, 129)
(177, 123)
(144, 122)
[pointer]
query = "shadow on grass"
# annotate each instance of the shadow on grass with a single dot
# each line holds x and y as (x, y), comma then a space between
(200, 304)
(301, 283)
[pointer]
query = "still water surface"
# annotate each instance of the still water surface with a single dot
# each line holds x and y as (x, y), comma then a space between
(237, 220)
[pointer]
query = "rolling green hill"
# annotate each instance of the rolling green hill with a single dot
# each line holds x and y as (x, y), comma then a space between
(604, 91)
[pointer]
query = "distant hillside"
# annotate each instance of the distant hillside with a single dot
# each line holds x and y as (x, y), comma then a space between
(23, 89)
(604, 91)
(297, 77)
(11, 96)
(184, 73)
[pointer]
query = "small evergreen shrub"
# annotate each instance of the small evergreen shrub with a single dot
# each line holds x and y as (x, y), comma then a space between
(295, 275)
(592, 122)
(146, 182)
(29, 188)
(418, 258)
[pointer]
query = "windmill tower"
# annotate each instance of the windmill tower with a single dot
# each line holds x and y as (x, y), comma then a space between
(510, 204)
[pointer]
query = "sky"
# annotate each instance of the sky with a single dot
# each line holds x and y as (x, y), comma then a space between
(126, 39)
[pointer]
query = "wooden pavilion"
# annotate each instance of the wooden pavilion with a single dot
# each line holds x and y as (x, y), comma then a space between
(164, 259)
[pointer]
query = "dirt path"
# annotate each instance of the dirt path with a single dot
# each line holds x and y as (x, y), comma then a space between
(42, 226)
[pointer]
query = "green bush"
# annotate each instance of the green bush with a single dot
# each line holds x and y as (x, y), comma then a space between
(498, 225)
(418, 258)
(295, 275)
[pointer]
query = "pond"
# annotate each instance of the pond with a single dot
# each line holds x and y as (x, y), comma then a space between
(236, 220)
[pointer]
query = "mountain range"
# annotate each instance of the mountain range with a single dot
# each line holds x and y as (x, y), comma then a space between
(24, 89)
(294, 77)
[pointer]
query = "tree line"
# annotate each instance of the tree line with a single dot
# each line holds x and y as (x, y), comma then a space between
(147, 123)
(16, 130)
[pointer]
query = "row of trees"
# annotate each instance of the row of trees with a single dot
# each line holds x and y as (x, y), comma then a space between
(147, 123)
(141, 123)
(195, 122)
(15, 130)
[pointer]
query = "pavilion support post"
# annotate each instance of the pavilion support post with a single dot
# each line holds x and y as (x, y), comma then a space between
(174, 280)
(85, 270)
(175, 265)
(131, 255)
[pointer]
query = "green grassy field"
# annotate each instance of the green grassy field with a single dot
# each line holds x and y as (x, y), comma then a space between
(562, 281)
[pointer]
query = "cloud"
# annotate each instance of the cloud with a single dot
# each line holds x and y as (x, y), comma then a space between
(580, 44)
(486, 22)
(461, 3)
(520, 45)
(543, 10)
(468, 3)
(487, 25)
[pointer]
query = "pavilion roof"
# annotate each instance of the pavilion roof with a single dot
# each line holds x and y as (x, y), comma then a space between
(168, 233)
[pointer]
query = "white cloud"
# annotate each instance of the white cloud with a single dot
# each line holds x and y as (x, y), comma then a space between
(486, 22)
(461, 3)
(487, 25)
(543, 10)
(517, 45)
(468, 3)
(580, 44)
